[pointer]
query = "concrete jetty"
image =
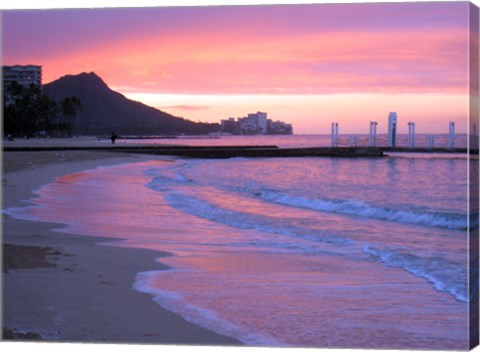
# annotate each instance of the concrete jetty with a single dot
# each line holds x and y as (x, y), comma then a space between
(428, 150)
(216, 152)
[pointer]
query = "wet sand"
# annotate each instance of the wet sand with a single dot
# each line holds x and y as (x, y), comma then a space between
(62, 287)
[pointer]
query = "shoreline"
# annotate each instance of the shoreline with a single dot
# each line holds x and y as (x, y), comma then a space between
(79, 288)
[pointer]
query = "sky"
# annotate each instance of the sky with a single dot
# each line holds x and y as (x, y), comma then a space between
(308, 65)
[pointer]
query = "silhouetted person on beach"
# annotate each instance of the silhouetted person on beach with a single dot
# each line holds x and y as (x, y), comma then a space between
(114, 137)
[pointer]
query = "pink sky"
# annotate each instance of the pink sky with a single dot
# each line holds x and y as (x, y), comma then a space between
(305, 64)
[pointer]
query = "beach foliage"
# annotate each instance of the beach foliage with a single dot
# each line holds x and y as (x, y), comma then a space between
(28, 112)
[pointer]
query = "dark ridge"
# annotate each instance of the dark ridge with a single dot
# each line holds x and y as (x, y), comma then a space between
(105, 110)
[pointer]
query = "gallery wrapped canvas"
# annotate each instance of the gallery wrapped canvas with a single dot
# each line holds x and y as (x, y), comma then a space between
(281, 175)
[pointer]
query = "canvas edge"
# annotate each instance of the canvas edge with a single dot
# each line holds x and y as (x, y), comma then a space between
(473, 166)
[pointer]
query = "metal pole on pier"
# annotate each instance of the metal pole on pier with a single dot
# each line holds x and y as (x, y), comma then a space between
(411, 134)
(392, 129)
(373, 134)
(451, 135)
(334, 134)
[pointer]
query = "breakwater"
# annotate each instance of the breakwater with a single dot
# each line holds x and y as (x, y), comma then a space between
(218, 152)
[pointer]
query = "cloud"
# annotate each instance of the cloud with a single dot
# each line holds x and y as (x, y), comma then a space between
(322, 49)
(185, 107)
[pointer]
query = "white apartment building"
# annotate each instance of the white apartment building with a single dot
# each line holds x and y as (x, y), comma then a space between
(23, 75)
(254, 124)
(261, 121)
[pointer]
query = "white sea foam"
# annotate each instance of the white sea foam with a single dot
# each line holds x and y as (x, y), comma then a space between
(362, 209)
(174, 177)
(442, 274)
(240, 220)
(19, 213)
(173, 301)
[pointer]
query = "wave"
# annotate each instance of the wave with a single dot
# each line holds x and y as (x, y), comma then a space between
(358, 208)
(174, 302)
(442, 274)
(236, 219)
(445, 276)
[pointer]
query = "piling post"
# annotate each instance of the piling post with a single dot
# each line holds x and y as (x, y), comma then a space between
(411, 134)
(333, 134)
(370, 134)
(392, 129)
(451, 135)
(373, 134)
(336, 134)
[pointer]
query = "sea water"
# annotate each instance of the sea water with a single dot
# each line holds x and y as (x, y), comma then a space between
(307, 140)
(312, 252)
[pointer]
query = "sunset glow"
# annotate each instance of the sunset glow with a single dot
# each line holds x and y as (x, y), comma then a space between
(305, 64)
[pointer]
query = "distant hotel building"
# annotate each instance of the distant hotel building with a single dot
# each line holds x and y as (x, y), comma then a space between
(23, 75)
(256, 123)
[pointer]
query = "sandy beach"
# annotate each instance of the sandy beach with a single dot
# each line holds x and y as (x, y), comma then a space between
(64, 287)
(67, 287)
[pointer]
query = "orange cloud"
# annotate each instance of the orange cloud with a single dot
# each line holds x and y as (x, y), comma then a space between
(410, 58)
(241, 62)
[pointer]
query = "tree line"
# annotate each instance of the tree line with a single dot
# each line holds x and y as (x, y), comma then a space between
(29, 113)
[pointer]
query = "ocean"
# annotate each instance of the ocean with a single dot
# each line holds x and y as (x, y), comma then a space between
(307, 252)
(308, 140)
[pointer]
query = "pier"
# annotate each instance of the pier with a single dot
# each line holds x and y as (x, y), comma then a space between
(222, 152)
(214, 152)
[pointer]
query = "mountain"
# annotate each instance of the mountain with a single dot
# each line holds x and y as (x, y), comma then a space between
(105, 110)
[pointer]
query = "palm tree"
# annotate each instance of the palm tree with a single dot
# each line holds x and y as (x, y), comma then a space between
(27, 112)
(68, 108)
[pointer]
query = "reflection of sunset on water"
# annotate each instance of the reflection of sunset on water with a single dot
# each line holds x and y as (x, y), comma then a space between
(302, 252)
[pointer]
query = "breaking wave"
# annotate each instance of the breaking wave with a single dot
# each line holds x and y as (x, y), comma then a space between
(359, 208)
(442, 274)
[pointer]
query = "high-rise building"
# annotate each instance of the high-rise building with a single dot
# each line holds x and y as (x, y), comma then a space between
(229, 126)
(260, 121)
(254, 124)
(23, 75)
